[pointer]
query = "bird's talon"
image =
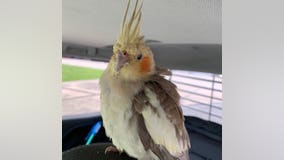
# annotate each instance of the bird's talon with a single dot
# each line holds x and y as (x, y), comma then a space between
(111, 149)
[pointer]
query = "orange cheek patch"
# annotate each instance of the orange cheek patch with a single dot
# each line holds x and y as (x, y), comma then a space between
(145, 64)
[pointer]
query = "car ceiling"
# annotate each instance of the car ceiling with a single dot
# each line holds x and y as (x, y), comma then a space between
(97, 22)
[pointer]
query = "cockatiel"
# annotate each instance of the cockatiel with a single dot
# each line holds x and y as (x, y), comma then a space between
(140, 109)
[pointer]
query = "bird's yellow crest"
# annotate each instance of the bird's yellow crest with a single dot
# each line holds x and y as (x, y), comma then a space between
(130, 30)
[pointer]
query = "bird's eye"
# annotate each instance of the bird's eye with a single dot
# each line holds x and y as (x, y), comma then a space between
(139, 56)
(124, 53)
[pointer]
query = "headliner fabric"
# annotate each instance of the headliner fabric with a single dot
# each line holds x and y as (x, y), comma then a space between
(93, 152)
(97, 22)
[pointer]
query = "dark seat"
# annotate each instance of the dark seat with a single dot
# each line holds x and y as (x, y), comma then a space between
(93, 152)
(205, 138)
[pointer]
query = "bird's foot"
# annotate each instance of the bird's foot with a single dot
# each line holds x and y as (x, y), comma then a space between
(112, 149)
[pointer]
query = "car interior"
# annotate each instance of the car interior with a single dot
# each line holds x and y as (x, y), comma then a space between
(183, 35)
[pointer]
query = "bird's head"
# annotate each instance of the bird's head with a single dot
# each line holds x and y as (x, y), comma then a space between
(132, 59)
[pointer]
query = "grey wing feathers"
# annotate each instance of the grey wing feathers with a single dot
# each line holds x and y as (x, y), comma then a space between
(169, 99)
(148, 143)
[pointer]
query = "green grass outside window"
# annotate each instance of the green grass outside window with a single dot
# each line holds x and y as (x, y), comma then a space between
(74, 73)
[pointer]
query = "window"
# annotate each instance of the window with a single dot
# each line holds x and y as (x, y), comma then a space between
(201, 93)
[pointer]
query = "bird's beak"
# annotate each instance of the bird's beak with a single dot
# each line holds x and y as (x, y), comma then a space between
(121, 59)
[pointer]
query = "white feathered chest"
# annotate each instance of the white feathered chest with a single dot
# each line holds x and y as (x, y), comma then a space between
(116, 109)
(121, 126)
